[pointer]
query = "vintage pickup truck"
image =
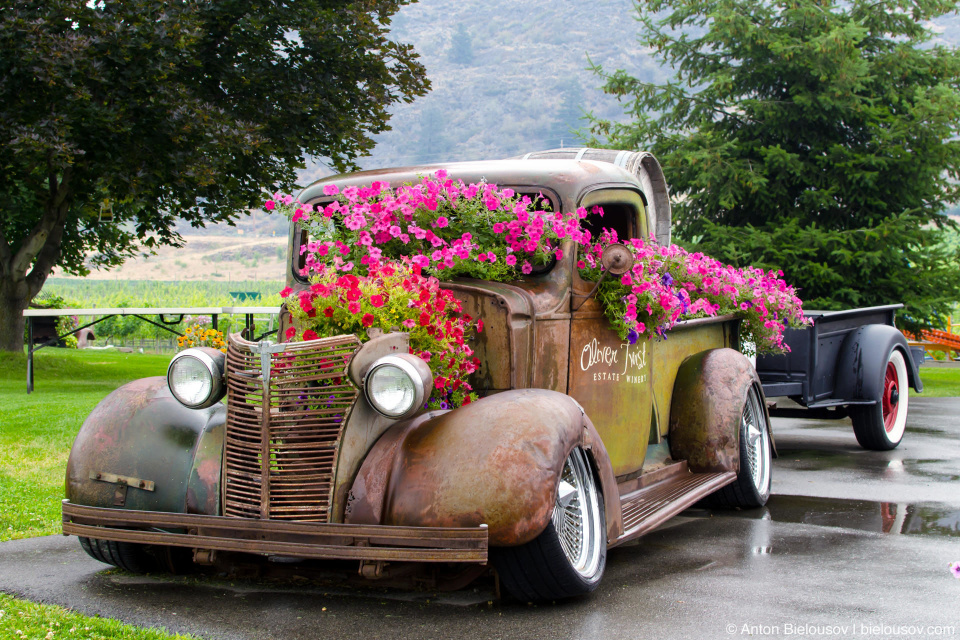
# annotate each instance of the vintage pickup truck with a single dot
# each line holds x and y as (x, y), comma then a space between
(580, 441)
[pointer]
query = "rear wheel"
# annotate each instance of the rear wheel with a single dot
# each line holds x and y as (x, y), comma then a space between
(127, 556)
(752, 486)
(569, 557)
(880, 427)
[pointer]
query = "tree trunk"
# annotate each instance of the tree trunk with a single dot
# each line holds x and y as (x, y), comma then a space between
(12, 321)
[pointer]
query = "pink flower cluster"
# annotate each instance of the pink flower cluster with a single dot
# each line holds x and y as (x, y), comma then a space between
(452, 229)
(667, 284)
(438, 223)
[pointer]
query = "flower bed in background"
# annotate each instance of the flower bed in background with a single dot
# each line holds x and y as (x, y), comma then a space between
(198, 335)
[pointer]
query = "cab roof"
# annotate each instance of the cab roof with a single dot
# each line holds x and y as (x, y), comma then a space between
(568, 179)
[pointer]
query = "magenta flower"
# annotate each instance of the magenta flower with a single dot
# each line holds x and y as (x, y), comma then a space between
(955, 569)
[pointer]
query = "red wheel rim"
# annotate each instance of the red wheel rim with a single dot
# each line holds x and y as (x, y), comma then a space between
(891, 398)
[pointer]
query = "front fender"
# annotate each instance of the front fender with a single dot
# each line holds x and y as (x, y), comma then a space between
(708, 397)
(863, 360)
(141, 431)
(496, 461)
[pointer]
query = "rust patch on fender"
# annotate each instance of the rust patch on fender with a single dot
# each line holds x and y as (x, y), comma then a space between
(495, 462)
(709, 393)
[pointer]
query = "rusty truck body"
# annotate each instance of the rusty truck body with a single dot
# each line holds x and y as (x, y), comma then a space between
(580, 441)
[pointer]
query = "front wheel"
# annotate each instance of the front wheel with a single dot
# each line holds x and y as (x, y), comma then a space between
(880, 427)
(569, 557)
(125, 555)
(752, 486)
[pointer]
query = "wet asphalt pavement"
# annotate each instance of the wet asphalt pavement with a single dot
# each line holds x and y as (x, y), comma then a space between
(853, 544)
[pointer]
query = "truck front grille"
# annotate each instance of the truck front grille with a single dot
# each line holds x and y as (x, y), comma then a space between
(282, 437)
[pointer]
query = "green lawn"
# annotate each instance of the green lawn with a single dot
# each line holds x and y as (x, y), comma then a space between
(940, 382)
(37, 430)
(22, 619)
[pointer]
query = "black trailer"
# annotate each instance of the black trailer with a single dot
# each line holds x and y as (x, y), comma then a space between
(848, 363)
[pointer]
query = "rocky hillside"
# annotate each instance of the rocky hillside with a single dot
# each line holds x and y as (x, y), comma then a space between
(508, 77)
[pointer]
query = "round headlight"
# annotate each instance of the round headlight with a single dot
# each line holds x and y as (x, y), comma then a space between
(398, 385)
(195, 377)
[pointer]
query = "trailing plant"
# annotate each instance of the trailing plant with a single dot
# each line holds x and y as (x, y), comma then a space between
(450, 229)
(392, 296)
(667, 284)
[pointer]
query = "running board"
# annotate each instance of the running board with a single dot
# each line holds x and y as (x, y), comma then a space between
(649, 507)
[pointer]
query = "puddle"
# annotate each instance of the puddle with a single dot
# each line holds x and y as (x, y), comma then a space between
(878, 466)
(925, 518)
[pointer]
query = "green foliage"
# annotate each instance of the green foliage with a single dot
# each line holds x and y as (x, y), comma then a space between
(23, 619)
(120, 116)
(64, 323)
(898, 259)
(819, 138)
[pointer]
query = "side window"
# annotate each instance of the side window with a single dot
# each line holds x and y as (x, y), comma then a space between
(623, 211)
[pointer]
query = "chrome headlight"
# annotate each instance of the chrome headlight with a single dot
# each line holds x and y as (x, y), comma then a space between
(195, 377)
(398, 385)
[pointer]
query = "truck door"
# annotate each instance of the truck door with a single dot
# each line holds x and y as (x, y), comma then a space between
(609, 377)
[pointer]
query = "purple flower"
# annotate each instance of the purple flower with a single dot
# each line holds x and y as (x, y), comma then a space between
(632, 336)
(955, 569)
(667, 280)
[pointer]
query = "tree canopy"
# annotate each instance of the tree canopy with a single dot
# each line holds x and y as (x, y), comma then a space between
(118, 117)
(813, 136)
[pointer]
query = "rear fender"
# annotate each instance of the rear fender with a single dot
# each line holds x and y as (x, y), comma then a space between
(708, 397)
(496, 461)
(140, 431)
(863, 360)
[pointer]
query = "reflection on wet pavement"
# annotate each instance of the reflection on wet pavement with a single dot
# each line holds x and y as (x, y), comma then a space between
(877, 465)
(882, 517)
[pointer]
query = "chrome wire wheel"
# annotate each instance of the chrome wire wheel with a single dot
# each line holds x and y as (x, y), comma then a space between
(756, 441)
(576, 515)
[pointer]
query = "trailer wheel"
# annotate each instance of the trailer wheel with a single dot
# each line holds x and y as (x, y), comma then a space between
(752, 486)
(127, 556)
(880, 426)
(569, 557)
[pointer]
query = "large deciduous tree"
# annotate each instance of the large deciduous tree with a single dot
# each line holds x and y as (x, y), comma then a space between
(116, 117)
(814, 136)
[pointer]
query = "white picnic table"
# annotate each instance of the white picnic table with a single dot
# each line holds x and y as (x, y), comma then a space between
(101, 314)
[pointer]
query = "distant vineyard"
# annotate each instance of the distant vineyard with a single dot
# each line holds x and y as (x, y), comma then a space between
(102, 294)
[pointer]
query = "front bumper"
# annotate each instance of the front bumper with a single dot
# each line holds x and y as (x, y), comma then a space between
(328, 541)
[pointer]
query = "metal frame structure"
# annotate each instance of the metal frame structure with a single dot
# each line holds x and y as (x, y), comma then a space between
(140, 313)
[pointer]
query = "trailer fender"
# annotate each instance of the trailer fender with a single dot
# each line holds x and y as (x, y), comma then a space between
(496, 461)
(863, 360)
(142, 450)
(705, 412)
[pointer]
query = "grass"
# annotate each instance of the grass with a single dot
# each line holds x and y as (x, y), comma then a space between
(37, 430)
(22, 619)
(940, 382)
